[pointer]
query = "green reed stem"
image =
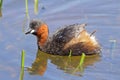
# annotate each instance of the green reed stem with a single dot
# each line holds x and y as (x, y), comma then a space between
(82, 59)
(1, 2)
(0, 13)
(80, 63)
(70, 53)
(22, 58)
(36, 6)
(26, 5)
(22, 73)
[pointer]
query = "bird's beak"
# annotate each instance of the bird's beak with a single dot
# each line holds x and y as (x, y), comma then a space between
(30, 31)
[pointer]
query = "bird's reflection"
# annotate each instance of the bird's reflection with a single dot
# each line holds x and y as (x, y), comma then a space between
(65, 63)
(39, 66)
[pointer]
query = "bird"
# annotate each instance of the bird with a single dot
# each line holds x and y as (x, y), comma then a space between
(73, 39)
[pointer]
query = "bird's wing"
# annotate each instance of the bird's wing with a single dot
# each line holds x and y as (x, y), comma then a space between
(67, 33)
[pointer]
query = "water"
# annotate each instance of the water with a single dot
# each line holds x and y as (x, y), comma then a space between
(102, 16)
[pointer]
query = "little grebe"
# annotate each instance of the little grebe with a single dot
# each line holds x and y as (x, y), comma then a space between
(72, 37)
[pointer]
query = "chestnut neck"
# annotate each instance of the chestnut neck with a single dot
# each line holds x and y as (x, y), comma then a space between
(42, 35)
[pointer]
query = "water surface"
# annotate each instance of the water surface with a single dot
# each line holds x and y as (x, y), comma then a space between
(103, 16)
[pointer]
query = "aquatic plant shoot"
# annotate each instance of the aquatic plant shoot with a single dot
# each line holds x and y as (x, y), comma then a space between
(36, 6)
(22, 65)
(22, 73)
(80, 63)
(26, 5)
(82, 59)
(1, 2)
(22, 58)
(70, 53)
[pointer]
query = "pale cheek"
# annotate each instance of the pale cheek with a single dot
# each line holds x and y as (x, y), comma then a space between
(32, 31)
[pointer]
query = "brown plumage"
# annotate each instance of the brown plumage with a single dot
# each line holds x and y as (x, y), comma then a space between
(72, 37)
